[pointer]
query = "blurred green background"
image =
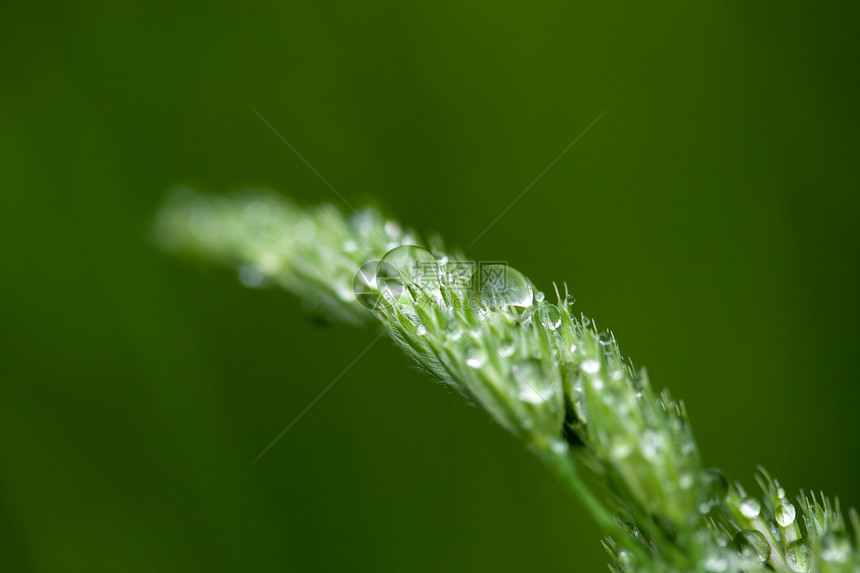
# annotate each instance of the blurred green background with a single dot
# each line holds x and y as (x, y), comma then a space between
(710, 218)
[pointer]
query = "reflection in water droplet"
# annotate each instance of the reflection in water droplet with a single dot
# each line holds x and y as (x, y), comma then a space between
(407, 265)
(835, 548)
(785, 514)
(550, 316)
(798, 557)
(750, 507)
(752, 545)
(500, 285)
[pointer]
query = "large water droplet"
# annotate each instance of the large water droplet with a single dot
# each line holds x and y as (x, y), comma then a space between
(750, 507)
(500, 285)
(835, 548)
(752, 545)
(550, 316)
(785, 514)
(798, 556)
(406, 266)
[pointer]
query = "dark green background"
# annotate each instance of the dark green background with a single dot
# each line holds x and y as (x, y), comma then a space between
(709, 218)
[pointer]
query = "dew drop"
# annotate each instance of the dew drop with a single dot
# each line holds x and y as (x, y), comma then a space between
(251, 276)
(716, 487)
(550, 316)
(591, 366)
(798, 557)
(500, 285)
(507, 350)
(364, 285)
(392, 229)
(475, 358)
(421, 330)
(407, 265)
(685, 481)
(750, 507)
(835, 548)
(715, 563)
(785, 514)
(752, 545)
(569, 302)
(652, 444)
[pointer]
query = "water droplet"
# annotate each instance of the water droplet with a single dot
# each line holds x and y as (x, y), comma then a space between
(421, 330)
(785, 514)
(573, 348)
(406, 266)
(550, 316)
(798, 557)
(475, 358)
(533, 396)
(559, 446)
(716, 563)
(569, 301)
(685, 481)
(392, 229)
(752, 545)
(652, 444)
(507, 350)
(350, 246)
(591, 366)
(835, 548)
(620, 449)
(750, 507)
(455, 334)
(716, 487)
(364, 285)
(780, 492)
(251, 276)
(500, 285)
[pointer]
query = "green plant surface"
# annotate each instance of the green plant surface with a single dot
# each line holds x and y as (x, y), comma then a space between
(542, 371)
